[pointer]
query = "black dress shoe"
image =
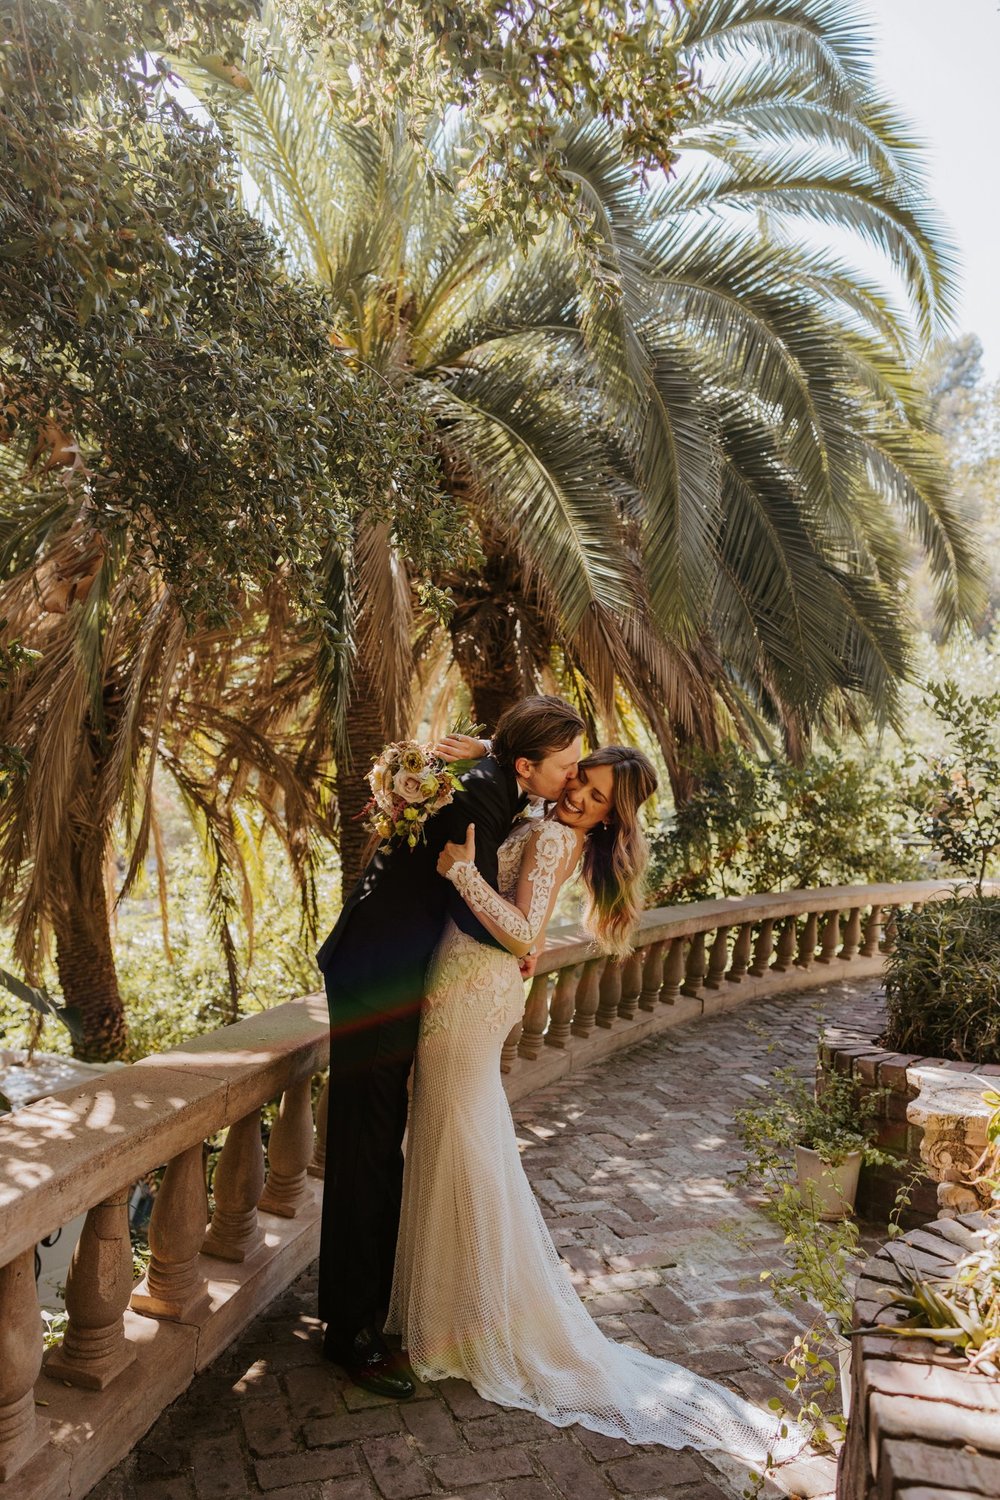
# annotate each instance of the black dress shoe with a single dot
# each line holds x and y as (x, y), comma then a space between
(372, 1365)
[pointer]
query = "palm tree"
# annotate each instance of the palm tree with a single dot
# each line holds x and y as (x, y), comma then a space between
(122, 690)
(690, 496)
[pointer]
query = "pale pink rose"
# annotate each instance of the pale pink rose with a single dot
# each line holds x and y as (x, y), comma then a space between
(409, 786)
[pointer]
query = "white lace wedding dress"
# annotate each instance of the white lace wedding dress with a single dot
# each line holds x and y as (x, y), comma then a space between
(479, 1290)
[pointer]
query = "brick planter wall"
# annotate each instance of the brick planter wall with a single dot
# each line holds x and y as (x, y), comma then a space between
(922, 1424)
(873, 1067)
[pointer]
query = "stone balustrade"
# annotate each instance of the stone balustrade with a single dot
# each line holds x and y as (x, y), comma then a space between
(129, 1350)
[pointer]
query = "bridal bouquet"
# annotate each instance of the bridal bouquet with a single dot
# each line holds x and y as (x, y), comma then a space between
(409, 783)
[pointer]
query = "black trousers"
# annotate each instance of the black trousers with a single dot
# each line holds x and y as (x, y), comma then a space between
(370, 1060)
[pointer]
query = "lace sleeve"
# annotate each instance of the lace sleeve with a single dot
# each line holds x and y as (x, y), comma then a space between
(545, 865)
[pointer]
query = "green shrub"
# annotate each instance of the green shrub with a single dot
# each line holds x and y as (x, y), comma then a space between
(789, 1113)
(943, 981)
(755, 825)
(170, 996)
(957, 798)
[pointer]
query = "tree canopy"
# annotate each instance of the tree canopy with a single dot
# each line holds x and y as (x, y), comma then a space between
(518, 70)
(156, 358)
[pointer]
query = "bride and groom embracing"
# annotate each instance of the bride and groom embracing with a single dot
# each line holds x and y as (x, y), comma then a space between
(426, 968)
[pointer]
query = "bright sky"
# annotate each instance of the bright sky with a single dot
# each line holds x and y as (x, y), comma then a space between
(939, 60)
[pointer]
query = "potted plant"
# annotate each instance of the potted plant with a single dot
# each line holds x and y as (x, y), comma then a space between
(822, 1253)
(828, 1136)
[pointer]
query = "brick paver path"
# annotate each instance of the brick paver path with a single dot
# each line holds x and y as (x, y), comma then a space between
(630, 1162)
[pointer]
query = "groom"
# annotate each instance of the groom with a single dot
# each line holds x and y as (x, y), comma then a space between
(373, 963)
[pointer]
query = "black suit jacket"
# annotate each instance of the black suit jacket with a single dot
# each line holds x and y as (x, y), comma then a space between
(376, 957)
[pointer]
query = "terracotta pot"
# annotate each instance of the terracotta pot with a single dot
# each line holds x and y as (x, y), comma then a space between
(831, 1189)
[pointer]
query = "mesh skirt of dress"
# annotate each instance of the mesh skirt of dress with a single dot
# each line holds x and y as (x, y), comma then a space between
(479, 1291)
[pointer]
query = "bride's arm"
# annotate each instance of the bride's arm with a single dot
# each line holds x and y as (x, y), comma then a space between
(550, 854)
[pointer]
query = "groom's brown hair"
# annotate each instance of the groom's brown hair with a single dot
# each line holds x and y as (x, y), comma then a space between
(535, 727)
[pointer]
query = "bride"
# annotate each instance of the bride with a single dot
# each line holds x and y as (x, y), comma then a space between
(479, 1292)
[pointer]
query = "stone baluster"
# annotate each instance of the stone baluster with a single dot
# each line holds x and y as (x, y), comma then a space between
(673, 972)
(829, 938)
(718, 958)
(21, 1433)
(536, 1015)
(174, 1284)
(652, 976)
(563, 1006)
(587, 998)
(873, 928)
(235, 1233)
(609, 993)
(632, 971)
(852, 934)
(508, 1052)
(807, 941)
(784, 953)
(289, 1151)
(694, 969)
(317, 1167)
(762, 949)
(99, 1283)
(888, 940)
(741, 954)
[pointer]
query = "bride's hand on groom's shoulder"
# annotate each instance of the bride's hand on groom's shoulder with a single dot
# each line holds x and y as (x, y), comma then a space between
(453, 854)
(461, 747)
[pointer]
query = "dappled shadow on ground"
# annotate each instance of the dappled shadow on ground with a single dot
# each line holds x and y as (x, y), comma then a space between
(631, 1164)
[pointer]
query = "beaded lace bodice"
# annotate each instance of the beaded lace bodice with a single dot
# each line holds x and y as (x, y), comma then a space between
(550, 846)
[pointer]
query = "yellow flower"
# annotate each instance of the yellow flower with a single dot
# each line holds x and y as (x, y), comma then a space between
(411, 814)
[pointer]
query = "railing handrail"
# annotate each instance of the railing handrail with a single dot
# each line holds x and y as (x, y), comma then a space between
(60, 1156)
(571, 945)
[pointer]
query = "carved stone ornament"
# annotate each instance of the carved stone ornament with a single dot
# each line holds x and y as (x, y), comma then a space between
(949, 1108)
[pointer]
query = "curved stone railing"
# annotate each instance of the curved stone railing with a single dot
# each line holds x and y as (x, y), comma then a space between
(128, 1351)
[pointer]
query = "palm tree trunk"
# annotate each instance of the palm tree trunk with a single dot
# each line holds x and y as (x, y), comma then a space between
(366, 736)
(493, 693)
(489, 656)
(85, 962)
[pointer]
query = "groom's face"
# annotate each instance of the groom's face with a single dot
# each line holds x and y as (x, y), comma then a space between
(546, 778)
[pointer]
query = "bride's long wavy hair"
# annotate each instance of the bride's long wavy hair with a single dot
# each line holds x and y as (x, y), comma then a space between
(615, 854)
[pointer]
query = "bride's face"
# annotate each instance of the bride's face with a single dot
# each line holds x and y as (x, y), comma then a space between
(588, 798)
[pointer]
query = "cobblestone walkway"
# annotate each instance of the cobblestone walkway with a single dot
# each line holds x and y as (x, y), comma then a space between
(630, 1162)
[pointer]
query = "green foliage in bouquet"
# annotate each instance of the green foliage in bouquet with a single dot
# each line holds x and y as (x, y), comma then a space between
(754, 825)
